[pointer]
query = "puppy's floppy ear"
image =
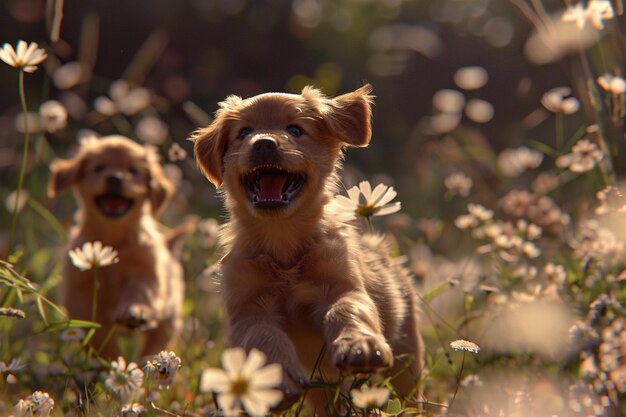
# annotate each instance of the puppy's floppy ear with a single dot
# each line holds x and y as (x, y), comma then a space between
(210, 143)
(64, 173)
(160, 187)
(349, 116)
(209, 149)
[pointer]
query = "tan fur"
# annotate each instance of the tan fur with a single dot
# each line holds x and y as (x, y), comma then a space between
(295, 280)
(144, 290)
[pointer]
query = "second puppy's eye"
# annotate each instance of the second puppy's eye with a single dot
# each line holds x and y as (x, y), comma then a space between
(98, 168)
(133, 170)
(244, 132)
(295, 130)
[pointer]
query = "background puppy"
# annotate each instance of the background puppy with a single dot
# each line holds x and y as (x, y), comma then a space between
(119, 184)
(294, 280)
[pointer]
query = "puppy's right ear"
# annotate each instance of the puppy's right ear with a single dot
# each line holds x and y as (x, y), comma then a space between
(209, 149)
(64, 174)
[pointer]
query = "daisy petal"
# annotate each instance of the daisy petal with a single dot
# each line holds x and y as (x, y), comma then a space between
(377, 192)
(354, 193)
(233, 360)
(269, 376)
(214, 379)
(255, 361)
(366, 190)
(389, 195)
(254, 407)
(389, 209)
(229, 403)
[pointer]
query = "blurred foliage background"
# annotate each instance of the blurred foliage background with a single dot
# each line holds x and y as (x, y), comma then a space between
(200, 51)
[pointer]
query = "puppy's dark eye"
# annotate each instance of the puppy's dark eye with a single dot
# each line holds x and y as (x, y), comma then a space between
(244, 132)
(294, 130)
(98, 168)
(133, 170)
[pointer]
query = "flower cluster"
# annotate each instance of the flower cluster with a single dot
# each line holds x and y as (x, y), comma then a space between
(163, 368)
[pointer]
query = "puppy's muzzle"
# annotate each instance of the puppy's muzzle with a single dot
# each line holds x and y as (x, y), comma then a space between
(269, 185)
(113, 203)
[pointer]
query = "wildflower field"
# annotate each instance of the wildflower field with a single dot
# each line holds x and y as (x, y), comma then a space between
(495, 171)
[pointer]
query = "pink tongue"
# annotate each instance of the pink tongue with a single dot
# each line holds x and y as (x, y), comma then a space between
(271, 187)
(115, 205)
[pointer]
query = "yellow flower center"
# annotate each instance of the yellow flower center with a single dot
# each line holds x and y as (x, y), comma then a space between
(239, 386)
(365, 210)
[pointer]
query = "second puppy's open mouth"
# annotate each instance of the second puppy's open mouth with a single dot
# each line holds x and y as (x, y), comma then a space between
(272, 187)
(113, 205)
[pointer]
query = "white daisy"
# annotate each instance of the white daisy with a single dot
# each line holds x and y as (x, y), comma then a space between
(93, 254)
(244, 381)
(25, 56)
(365, 202)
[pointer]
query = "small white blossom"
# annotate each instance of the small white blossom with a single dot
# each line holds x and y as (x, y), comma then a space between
(611, 83)
(558, 100)
(596, 12)
(584, 156)
(124, 381)
(74, 334)
(38, 404)
(369, 397)
(465, 345)
(53, 116)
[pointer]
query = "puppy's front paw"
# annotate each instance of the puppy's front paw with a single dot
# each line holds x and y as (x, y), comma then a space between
(362, 354)
(138, 317)
(294, 382)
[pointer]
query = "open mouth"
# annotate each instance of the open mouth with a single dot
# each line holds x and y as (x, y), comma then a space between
(113, 205)
(272, 187)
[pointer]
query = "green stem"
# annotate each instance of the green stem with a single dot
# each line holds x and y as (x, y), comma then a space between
(558, 130)
(46, 214)
(370, 227)
(20, 180)
(94, 296)
(458, 382)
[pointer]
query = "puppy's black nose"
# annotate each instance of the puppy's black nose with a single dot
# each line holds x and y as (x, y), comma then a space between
(114, 183)
(265, 144)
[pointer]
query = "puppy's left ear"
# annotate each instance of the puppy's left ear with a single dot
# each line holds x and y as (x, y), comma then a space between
(160, 187)
(210, 147)
(64, 173)
(349, 116)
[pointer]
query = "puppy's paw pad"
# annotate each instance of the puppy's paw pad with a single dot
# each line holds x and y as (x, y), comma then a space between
(363, 354)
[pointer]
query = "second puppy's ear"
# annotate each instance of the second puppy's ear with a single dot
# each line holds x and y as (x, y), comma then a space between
(161, 188)
(348, 116)
(64, 173)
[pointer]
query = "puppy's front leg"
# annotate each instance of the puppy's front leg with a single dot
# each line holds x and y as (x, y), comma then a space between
(254, 329)
(353, 333)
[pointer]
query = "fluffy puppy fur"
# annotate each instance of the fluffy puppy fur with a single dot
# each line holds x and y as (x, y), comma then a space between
(294, 280)
(119, 185)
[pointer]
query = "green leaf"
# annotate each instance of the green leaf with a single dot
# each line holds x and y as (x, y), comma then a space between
(393, 407)
(432, 293)
(68, 324)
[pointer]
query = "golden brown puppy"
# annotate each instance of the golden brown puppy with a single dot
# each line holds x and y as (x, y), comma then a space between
(294, 279)
(119, 185)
